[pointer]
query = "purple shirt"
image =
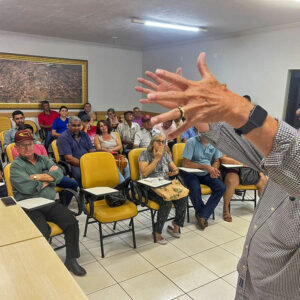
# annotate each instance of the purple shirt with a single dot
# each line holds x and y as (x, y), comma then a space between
(139, 121)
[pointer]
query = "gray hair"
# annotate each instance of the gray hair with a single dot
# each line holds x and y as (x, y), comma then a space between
(74, 119)
(154, 138)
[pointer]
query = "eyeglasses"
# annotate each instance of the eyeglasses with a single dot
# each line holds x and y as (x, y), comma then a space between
(160, 141)
(75, 125)
(23, 146)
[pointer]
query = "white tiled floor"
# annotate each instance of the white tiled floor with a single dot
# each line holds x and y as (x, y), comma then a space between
(199, 265)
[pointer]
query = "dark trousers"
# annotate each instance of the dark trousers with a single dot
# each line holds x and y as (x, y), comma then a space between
(68, 183)
(193, 182)
(76, 173)
(49, 139)
(61, 216)
(164, 210)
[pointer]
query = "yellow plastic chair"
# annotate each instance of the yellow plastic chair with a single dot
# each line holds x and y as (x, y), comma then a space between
(55, 151)
(55, 229)
(33, 124)
(5, 123)
(2, 133)
(9, 152)
(99, 169)
(178, 160)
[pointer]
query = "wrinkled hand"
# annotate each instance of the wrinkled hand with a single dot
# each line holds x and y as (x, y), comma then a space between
(214, 172)
(160, 84)
(205, 101)
(158, 153)
(53, 168)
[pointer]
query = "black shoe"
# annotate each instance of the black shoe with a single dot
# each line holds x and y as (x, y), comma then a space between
(73, 266)
(201, 222)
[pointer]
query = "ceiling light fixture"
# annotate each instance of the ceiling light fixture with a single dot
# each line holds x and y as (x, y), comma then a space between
(168, 25)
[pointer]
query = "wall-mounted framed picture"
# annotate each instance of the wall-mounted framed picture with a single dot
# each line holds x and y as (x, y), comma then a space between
(26, 80)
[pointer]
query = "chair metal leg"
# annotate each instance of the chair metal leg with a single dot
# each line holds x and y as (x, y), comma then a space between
(86, 225)
(133, 232)
(188, 212)
(101, 240)
(152, 220)
(130, 223)
(115, 225)
(213, 215)
(255, 195)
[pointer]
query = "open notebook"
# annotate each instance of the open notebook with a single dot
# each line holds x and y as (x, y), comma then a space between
(229, 166)
(101, 191)
(155, 182)
(34, 203)
(191, 170)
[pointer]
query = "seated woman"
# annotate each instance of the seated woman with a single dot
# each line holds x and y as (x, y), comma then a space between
(232, 179)
(60, 124)
(106, 140)
(65, 182)
(156, 162)
(112, 118)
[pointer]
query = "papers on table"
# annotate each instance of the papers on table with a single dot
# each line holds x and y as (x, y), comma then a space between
(34, 203)
(155, 182)
(101, 191)
(2, 183)
(191, 170)
(230, 166)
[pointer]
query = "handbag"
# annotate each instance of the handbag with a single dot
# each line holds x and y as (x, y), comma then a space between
(120, 161)
(249, 176)
(173, 191)
(115, 199)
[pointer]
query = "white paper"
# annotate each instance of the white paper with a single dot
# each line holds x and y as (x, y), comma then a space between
(155, 182)
(2, 183)
(229, 166)
(34, 202)
(191, 170)
(98, 191)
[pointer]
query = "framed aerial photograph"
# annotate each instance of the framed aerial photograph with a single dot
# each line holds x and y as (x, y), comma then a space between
(26, 80)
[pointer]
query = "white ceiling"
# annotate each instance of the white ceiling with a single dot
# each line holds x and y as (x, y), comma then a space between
(100, 20)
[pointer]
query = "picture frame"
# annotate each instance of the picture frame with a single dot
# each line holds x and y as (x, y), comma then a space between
(27, 80)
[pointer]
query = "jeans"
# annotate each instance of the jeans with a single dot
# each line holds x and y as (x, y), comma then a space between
(193, 182)
(49, 139)
(68, 183)
(126, 173)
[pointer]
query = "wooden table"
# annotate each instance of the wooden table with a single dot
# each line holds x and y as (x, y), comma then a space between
(15, 226)
(32, 270)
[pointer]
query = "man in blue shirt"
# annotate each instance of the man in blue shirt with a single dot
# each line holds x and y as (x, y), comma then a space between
(199, 154)
(72, 144)
(191, 132)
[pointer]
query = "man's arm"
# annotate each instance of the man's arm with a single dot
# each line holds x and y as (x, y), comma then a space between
(72, 160)
(216, 163)
(137, 140)
(190, 164)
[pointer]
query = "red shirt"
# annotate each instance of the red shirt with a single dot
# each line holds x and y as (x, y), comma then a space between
(47, 120)
(91, 133)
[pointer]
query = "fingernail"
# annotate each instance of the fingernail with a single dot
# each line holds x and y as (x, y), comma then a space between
(151, 96)
(159, 71)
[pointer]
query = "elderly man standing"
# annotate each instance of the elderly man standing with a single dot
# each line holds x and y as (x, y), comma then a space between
(72, 144)
(269, 266)
(35, 176)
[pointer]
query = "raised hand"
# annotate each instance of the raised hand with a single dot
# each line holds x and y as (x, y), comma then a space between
(205, 101)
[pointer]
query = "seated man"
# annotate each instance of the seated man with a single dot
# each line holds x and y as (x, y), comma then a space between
(144, 136)
(233, 177)
(9, 137)
(72, 144)
(86, 109)
(191, 132)
(46, 119)
(199, 154)
(137, 117)
(34, 176)
(127, 131)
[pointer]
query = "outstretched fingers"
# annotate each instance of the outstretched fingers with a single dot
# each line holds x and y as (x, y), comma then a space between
(174, 78)
(153, 77)
(170, 115)
(202, 66)
(148, 83)
(143, 90)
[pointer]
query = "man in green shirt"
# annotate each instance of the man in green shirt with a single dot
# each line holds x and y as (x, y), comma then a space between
(34, 176)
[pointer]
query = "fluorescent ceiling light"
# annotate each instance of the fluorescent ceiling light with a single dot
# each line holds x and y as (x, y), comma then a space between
(168, 25)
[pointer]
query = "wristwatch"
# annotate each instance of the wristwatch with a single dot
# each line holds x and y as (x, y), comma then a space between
(35, 177)
(257, 118)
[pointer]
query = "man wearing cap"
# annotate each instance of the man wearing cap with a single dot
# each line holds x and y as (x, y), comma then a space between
(143, 137)
(127, 131)
(34, 176)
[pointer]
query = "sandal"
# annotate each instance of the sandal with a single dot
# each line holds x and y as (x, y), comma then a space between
(227, 217)
(163, 241)
(170, 230)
